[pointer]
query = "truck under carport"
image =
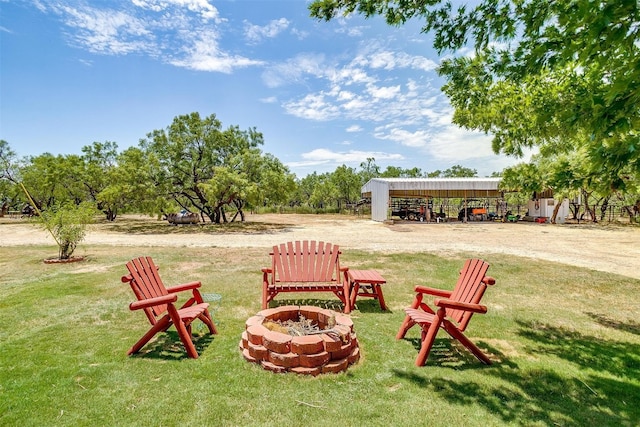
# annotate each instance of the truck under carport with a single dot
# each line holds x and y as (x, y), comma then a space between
(382, 190)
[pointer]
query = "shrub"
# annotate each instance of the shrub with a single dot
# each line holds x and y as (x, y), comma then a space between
(67, 223)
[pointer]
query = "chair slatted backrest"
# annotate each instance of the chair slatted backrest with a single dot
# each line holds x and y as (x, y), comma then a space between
(146, 282)
(469, 289)
(305, 261)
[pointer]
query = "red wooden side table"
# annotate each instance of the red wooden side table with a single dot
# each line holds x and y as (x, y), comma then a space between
(366, 283)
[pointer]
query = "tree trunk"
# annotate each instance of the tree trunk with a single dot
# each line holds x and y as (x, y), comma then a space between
(603, 208)
(552, 220)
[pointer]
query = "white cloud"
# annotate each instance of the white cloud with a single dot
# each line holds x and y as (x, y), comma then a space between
(322, 156)
(416, 139)
(346, 27)
(354, 90)
(107, 31)
(392, 60)
(295, 70)
(455, 144)
(203, 54)
(410, 104)
(269, 100)
(202, 7)
(388, 92)
(345, 95)
(256, 33)
(184, 33)
(354, 128)
(313, 107)
(300, 34)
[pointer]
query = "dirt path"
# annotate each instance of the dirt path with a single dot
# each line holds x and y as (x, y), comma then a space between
(610, 249)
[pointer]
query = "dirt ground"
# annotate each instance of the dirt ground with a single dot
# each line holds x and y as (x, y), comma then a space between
(614, 249)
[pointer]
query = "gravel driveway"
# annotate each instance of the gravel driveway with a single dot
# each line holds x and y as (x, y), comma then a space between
(614, 249)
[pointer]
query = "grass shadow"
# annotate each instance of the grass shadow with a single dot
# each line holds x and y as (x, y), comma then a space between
(605, 392)
(631, 327)
(618, 358)
(167, 346)
(147, 226)
(449, 353)
(370, 305)
(540, 397)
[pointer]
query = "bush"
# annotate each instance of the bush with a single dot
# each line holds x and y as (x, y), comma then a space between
(67, 223)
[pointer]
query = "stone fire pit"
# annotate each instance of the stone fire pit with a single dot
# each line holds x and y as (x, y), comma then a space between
(332, 347)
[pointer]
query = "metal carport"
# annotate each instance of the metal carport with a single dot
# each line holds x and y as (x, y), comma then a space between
(381, 190)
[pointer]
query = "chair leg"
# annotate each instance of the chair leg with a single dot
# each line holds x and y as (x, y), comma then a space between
(162, 325)
(378, 290)
(346, 297)
(183, 332)
(428, 337)
(406, 325)
(206, 318)
(455, 333)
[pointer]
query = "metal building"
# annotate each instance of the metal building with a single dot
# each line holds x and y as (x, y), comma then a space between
(381, 190)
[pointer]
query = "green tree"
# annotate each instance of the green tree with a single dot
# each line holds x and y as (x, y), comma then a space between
(130, 187)
(304, 190)
(457, 171)
(52, 180)
(398, 172)
(369, 170)
(193, 153)
(99, 162)
(276, 183)
(10, 192)
(8, 162)
(249, 177)
(324, 191)
(347, 184)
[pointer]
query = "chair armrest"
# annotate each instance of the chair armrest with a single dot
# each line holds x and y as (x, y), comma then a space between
(184, 287)
(164, 299)
(344, 269)
(488, 280)
(266, 270)
(433, 291)
(447, 303)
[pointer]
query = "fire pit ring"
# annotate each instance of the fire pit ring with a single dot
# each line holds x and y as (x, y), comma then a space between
(331, 349)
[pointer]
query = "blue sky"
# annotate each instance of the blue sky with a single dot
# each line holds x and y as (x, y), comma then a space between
(323, 94)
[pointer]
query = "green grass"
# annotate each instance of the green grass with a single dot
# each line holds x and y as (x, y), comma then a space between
(565, 341)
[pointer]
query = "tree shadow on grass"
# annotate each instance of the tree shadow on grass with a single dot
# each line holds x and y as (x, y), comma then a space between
(617, 358)
(370, 306)
(607, 394)
(631, 327)
(151, 226)
(447, 352)
(167, 346)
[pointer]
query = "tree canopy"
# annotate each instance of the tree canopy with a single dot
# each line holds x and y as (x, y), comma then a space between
(202, 167)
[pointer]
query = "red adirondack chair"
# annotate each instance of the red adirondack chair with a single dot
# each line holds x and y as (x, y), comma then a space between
(305, 266)
(454, 310)
(157, 301)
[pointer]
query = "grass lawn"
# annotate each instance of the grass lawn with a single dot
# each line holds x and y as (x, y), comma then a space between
(565, 342)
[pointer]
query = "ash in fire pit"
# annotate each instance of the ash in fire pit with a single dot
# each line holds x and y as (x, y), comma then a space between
(305, 340)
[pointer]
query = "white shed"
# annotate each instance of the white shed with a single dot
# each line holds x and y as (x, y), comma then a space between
(544, 207)
(381, 190)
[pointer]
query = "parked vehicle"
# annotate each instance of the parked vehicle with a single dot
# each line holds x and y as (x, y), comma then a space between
(474, 211)
(418, 209)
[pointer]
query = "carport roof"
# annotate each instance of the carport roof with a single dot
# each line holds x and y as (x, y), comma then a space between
(435, 187)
